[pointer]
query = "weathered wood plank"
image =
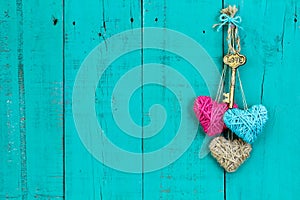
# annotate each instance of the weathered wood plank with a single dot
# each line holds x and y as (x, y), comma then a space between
(271, 42)
(188, 177)
(88, 24)
(10, 153)
(31, 99)
(31, 96)
(42, 84)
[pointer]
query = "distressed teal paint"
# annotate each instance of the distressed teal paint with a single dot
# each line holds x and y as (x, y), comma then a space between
(188, 177)
(42, 44)
(87, 24)
(271, 42)
(31, 100)
(9, 95)
(43, 103)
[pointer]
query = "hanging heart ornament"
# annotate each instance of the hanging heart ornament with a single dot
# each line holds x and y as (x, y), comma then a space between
(229, 154)
(246, 124)
(210, 114)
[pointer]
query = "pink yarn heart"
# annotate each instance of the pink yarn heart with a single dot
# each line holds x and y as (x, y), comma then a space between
(210, 114)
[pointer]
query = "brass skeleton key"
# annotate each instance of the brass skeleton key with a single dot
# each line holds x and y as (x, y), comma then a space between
(233, 61)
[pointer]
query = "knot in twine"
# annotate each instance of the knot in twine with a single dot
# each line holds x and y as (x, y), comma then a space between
(228, 17)
(224, 18)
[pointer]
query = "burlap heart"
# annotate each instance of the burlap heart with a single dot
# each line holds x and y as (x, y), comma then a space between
(247, 124)
(230, 154)
(210, 114)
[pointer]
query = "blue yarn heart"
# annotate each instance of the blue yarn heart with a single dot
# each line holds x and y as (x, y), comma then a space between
(246, 124)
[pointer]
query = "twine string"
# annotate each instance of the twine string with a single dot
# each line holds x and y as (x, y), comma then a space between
(221, 85)
(242, 91)
(228, 18)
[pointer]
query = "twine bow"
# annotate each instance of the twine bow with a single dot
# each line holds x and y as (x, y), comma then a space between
(224, 18)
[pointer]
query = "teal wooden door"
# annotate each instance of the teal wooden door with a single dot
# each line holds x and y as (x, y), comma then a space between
(95, 104)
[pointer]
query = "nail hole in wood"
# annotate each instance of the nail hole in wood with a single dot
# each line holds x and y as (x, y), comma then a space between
(55, 21)
(156, 19)
(131, 19)
(74, 23)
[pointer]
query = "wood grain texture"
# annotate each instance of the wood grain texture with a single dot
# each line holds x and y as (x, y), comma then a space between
(87, 24)
(43, 98)
(271, 43)
(32, 115)
(9, 95)
(42, 46)
(188, 177)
